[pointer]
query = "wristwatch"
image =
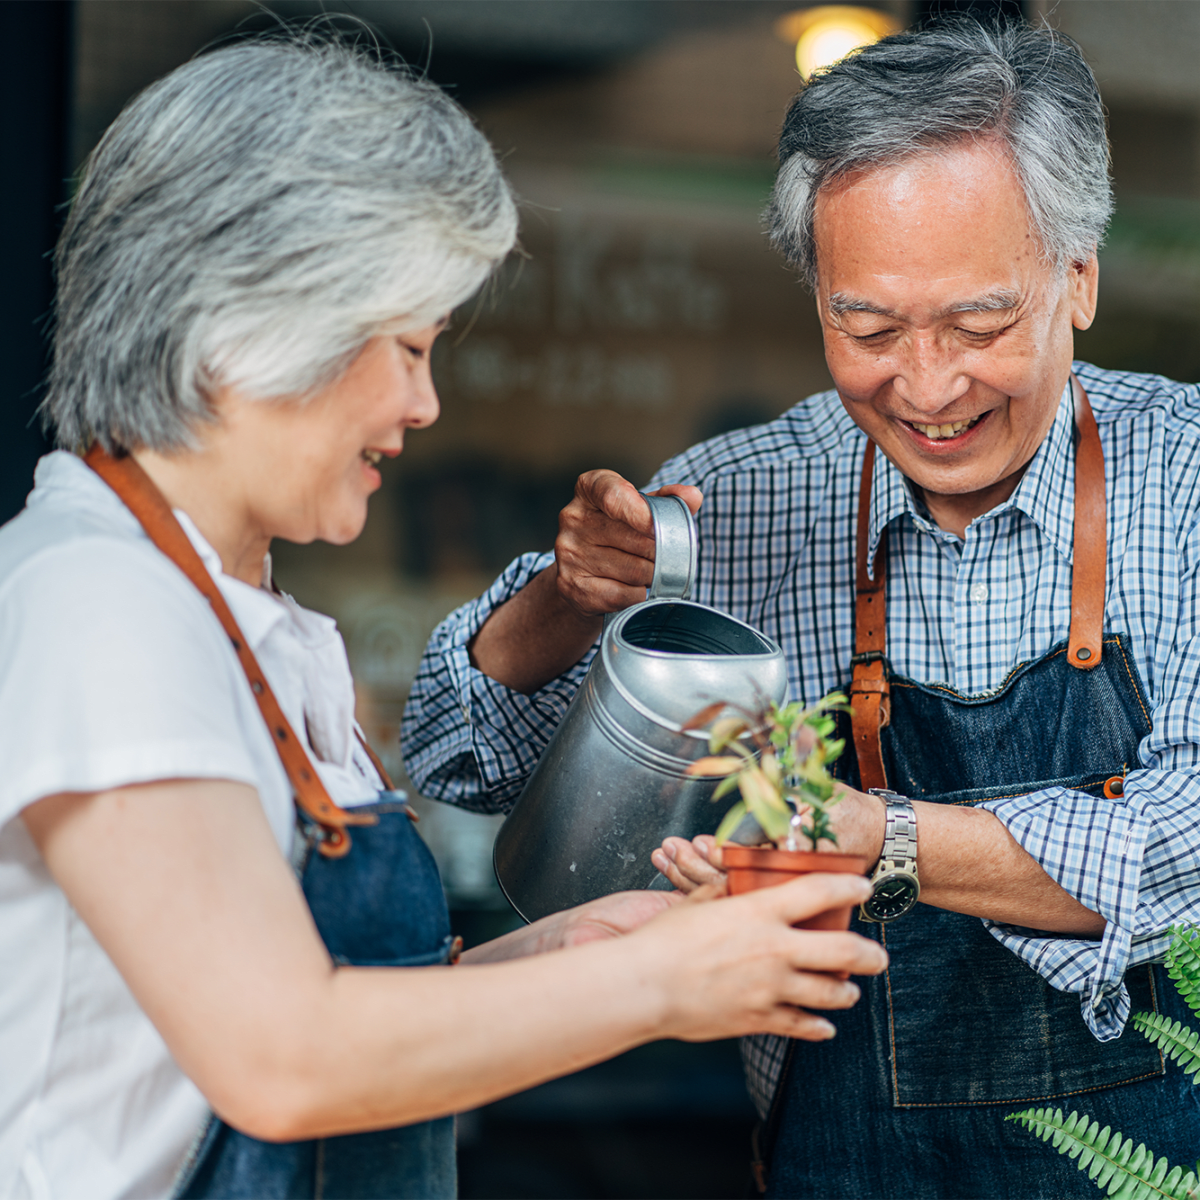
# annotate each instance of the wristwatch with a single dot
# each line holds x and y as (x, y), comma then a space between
(894, 879)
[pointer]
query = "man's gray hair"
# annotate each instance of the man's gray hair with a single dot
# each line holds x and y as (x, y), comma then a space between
(253, 220)
(927, 90)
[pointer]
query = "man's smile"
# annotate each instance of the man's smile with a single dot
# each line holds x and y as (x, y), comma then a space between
(941, 432)
(945, 435)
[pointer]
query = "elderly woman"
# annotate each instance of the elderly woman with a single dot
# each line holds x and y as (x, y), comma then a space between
(225, 952)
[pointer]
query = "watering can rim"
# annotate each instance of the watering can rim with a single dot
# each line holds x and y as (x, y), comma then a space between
(612, 635)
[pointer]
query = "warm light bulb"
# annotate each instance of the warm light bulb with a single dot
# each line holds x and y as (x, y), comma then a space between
(829, 32)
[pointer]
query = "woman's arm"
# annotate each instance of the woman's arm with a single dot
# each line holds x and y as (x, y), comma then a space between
(184, 887)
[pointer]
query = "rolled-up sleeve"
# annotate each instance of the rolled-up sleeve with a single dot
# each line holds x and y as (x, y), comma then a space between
(467, 739)
(1134, 860)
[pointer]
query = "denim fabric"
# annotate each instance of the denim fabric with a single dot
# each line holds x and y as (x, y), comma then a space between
(908, 1100)
(380, 905)
(842, 1137)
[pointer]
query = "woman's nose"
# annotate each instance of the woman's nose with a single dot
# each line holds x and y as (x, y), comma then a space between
(425, 406)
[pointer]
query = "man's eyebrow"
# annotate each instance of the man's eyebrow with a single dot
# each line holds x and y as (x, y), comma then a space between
(1002, 300)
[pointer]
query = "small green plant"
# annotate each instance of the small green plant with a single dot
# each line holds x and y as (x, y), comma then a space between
(777, 758)
(1111, 1160)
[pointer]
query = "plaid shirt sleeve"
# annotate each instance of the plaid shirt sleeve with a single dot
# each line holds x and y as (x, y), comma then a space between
(1136, 861)
(1137, 864)
(467, 739)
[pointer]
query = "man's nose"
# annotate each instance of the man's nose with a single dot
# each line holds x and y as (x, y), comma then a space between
(930, 377)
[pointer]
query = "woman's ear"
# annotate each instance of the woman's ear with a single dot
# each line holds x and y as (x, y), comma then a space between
(1084, 280)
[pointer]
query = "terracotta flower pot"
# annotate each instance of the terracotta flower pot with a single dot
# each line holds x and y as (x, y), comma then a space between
(752, 867)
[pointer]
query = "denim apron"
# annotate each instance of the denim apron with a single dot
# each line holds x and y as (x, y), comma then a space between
(381, 905)
(377, 901)
(909, 1099)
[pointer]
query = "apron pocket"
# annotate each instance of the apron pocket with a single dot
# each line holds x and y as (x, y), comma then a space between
(972, 1024)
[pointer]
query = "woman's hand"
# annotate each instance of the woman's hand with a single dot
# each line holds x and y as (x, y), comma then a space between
(738, 966)
(690, 865)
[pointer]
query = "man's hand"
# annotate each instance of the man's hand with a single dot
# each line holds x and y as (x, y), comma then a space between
(604, 553)
(690, 865)
(604, 561)
(614, 916)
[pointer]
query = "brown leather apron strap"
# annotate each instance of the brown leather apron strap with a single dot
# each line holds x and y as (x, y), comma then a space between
(869, 690)
(1086, 637)
(139, 494)
(377, 763)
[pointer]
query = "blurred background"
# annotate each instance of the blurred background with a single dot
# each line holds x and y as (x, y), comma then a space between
(645, 312)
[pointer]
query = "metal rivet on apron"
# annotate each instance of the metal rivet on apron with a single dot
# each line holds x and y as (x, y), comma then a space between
(1083, 654)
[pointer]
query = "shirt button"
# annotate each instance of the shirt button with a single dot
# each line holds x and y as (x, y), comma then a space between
(979, 593)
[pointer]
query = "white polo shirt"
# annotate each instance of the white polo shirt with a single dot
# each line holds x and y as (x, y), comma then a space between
(114, 670)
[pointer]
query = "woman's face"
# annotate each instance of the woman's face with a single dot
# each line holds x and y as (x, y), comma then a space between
(306, 470)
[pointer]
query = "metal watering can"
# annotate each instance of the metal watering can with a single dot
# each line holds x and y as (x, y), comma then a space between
(610, 785)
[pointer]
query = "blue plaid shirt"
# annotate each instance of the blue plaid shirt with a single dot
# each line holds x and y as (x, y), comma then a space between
(777, 545)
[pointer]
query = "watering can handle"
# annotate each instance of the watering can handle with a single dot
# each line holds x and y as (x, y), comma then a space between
(675, 548)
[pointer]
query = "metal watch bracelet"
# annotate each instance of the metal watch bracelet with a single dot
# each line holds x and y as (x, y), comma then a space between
(894, 878)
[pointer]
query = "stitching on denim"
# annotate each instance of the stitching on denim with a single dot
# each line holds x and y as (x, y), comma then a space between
(1133, 679)
(1008, 796)
(1099, 1087)
(891, 1019)
(991, 692)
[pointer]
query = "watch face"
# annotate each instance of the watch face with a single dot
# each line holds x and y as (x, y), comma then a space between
(894, 895)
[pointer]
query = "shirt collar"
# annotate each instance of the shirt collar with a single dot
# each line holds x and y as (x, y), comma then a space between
(1046, 493)
(63, 479)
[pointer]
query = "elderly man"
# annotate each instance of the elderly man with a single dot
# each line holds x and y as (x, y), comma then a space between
(1031, 527)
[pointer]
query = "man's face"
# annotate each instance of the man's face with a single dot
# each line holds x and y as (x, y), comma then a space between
(948, 339)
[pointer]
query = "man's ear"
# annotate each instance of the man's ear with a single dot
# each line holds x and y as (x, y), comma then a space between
(1084, 281)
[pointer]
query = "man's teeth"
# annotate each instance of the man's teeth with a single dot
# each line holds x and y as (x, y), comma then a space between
(936, 432)
(373, 456)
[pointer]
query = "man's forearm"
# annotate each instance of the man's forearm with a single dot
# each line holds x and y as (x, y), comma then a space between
(534, 637)
(968, 862)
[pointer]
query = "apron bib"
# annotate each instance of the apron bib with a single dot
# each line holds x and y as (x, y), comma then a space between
(909, 1098)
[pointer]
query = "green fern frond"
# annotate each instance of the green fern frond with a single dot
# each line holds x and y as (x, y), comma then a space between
(1173, 1038)
(1112, 1161)
(1183, 964)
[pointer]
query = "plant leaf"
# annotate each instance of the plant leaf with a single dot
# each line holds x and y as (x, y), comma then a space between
(732, 819)
(723, 788)
(724, 731)
(1109, 1158)
(710, 766)
(709, 712)
(1183, 964)
(765, 803)
(1173, 1038)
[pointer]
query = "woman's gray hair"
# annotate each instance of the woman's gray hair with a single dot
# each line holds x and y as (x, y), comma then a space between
(930, 89)
(253, 220)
